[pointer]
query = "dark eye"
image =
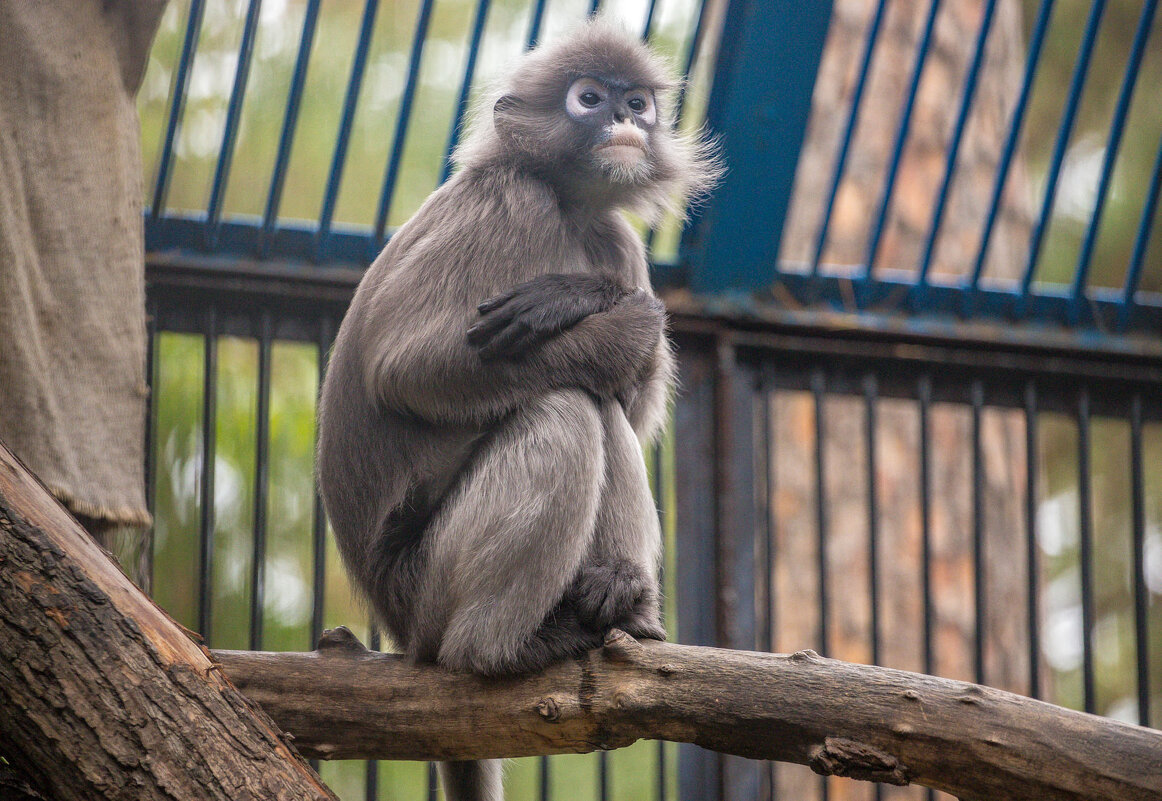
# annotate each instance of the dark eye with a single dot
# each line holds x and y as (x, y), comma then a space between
(637, 104)
(590, 99)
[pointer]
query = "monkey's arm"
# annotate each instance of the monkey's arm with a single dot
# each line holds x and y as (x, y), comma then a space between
(516, 320)
(428, 368)
(647, 402)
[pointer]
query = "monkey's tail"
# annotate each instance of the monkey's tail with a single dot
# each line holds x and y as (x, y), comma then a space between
(472, 781)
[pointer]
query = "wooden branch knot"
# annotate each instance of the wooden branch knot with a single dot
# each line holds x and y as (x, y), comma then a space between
(806, 655)
(839, 756)
(549, 709)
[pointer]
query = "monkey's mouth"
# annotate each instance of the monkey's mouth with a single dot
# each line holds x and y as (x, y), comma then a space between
(626, 147)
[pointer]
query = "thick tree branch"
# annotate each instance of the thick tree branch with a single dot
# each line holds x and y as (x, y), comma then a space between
(101, 694)
(343, 701)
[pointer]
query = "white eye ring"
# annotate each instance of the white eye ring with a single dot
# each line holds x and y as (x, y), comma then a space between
(584, 97)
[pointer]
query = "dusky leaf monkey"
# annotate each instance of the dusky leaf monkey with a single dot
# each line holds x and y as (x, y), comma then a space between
(502, 360)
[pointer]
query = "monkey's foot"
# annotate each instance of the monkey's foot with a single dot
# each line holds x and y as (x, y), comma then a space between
(617, 595)
(561, 636)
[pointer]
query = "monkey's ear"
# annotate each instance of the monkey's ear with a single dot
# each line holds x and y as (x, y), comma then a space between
(506, 107)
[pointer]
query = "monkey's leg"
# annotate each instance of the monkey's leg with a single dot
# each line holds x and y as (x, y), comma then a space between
(509, 540)
(617, 585)
(472, 781)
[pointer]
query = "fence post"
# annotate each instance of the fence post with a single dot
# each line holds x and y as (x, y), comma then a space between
(760, 102)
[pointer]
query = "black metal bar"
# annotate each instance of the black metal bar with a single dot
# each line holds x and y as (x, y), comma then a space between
(233, 120)
(319, 523)
(177, 95)
(697, 598)
(261, 483)
(818, 388)
(870, 395)
(151, 371)
(979, 600)
(1085, 549)
(1141, 599)
(371, 780)
(546, 790)
(924, 398)
(735, 526)
(1032, 548)
(207, 485)
(289, 123)
(603, 775)
(433, 782)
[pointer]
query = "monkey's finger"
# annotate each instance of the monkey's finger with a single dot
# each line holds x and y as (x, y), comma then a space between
(512, 341)
(484, 330)
(494, 303)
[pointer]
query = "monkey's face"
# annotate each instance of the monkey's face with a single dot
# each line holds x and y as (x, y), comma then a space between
(616, 121)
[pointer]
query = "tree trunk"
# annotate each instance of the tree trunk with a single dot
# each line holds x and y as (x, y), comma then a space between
(102, 695)
(343, 701)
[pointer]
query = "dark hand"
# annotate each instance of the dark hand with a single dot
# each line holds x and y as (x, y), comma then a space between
(529, 313)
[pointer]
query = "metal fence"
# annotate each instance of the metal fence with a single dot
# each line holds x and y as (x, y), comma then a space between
(950, 469)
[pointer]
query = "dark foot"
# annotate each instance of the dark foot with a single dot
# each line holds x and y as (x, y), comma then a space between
(618, 595)
(560, 637)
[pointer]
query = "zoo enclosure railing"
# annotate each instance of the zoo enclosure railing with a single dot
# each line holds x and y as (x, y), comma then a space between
(765, 337)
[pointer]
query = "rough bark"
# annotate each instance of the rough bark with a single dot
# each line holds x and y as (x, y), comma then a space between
(343, 701)
(102, 695)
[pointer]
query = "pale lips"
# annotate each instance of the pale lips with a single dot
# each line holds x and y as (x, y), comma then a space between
(627, 145)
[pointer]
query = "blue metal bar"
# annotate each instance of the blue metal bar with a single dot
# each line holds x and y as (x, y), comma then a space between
(546, 784)
(233, 118)
(603, 776)
(1076, 85)
(261, 483)
(1122, 110)
(649, 23)
(535, 24)
(768, 72)
(594, 5)
(433, 783)
(401, 122)
(1032, 549)
(289, 123)
(207, 484)
(178, 92)
(339, 158)
(970, 83)
(1036, 45)
(1141, 242)
(1085, 550)
(869, 46)
(478, 23)
(1141, 598)
(901, 139)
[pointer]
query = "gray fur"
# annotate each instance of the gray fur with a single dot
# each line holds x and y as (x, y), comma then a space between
(502, 358)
